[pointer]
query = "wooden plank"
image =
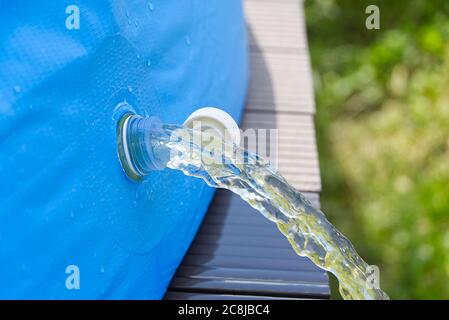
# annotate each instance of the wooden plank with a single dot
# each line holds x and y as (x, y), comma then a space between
(280, 82)
(297, 157)
(239, 252)
(275, 25)
(251, 263)
(238, 286)
(252, 274)
(182, 295)
(280, 69)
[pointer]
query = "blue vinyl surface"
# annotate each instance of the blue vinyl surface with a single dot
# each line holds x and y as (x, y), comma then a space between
(64, 199)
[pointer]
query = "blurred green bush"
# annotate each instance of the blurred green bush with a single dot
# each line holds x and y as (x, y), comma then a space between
(383, 135)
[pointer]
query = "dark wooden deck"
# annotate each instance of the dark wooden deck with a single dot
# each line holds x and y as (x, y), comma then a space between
(237, 254)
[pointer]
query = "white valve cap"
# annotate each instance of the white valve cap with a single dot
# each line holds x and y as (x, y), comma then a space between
(217, 119)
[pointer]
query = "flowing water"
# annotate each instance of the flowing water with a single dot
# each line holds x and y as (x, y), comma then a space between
(255, 181)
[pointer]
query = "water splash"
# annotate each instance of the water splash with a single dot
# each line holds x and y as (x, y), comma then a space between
(261, 186)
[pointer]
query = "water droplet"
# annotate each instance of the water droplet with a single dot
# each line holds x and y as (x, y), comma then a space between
(150, 6)
(135, 24)
(149, 63)
(72, 215)
(17, 89)
(188, 41)
(149, 193)
(95, 254)
(81, 206)
(130, 89)
(127, 13)
(102, 270)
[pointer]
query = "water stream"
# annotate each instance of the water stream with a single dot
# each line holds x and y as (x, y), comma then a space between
(261, 186)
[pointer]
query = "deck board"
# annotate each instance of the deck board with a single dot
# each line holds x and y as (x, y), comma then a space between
(297, 157)
(280, 82)
(238, 254)
(276, 25)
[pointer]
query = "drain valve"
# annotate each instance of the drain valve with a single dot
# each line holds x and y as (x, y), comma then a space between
(135, 136)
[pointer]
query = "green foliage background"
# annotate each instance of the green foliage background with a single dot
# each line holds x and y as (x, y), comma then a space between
(383, 135)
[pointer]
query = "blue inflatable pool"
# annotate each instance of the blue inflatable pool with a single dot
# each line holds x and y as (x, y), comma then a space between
(72, 226)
